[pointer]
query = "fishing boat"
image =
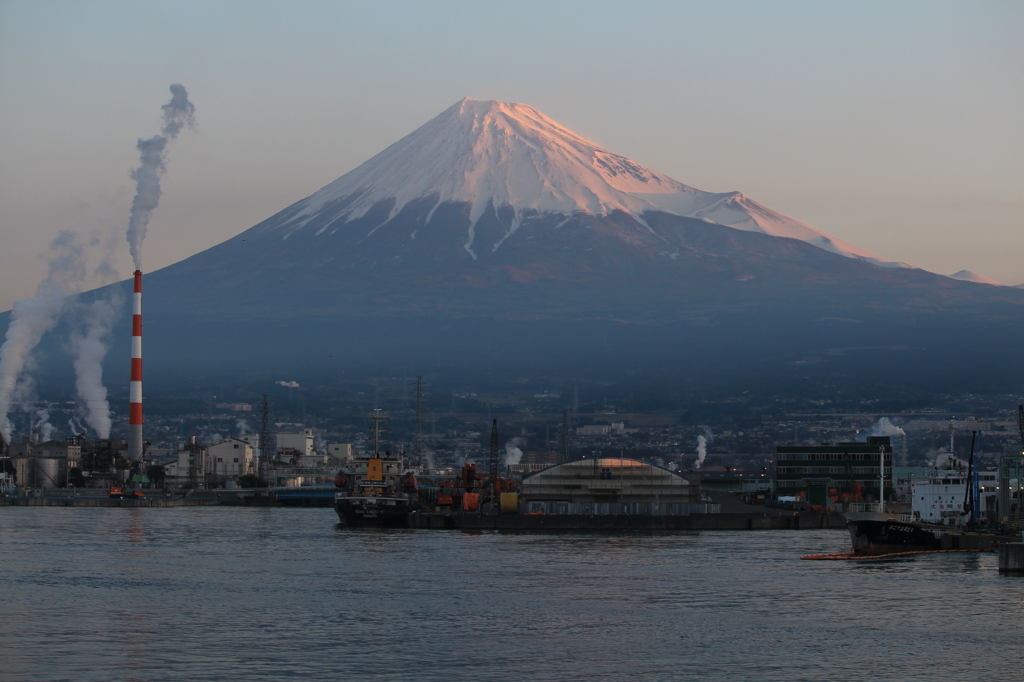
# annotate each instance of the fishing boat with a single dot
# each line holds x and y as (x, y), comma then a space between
(378, 490)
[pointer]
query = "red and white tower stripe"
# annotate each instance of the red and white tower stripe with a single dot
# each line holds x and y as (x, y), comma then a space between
(135, 388)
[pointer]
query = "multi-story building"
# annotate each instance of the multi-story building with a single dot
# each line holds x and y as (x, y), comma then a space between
(815, 471)
(70, 453)
(300, 442)
(339, 451)
(230, 458)
(211, 465)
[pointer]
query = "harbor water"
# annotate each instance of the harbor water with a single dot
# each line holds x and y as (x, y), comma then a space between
(227, 593)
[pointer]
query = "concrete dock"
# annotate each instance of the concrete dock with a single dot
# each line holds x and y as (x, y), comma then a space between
(103, 502)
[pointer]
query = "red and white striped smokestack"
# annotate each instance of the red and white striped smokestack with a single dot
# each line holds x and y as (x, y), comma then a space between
(135, 387)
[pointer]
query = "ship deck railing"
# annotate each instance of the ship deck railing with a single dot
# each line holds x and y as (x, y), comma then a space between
(877, 508)
(865, 507)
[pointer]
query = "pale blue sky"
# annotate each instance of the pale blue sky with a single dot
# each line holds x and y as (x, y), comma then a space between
(894, 126)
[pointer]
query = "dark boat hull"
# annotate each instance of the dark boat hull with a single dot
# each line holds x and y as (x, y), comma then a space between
(891, 536)
(373, 514)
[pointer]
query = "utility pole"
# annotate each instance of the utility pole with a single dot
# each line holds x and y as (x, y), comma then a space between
(563, 456)
(494, 449)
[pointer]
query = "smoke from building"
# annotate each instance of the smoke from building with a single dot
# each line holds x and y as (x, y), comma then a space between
(178, 113)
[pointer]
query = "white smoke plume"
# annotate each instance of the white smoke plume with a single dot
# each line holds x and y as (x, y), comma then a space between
(213, 439)
(178, 113)
(513, 452)
(946, 460)
(702, 451)
(43, 425)
(242, 427)
(90, 348)
(884, 427)
(75, 426)
(429, 460)
(31, 318)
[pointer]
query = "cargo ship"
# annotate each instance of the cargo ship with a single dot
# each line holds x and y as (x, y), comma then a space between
(945, 514)
(936, 510)
(876, 531)
(379, 490)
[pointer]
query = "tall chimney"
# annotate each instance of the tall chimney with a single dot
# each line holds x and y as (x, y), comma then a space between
(135, 387)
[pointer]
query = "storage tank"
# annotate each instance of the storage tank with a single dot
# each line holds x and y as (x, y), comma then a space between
(47, 472)
(22, 471)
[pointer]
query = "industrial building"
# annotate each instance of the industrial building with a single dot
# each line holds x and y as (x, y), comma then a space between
(301, 442)
(296, 448)
(852, 469)
(211, 465)
(42, 465)
(340, 452)
(608, 486)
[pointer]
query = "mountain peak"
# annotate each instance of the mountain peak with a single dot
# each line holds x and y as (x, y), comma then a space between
(500, 156)
(969, 276)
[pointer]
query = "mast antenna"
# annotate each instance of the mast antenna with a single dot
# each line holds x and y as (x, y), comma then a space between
(419, 414)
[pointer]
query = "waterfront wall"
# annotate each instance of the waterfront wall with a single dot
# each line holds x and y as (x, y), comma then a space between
(101, 502)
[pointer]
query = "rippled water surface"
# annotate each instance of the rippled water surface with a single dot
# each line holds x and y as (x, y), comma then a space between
(244, 594)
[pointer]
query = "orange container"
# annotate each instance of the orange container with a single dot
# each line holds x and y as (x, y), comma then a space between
(471, 502)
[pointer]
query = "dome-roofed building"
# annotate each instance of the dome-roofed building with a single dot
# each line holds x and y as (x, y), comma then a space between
(607, 486)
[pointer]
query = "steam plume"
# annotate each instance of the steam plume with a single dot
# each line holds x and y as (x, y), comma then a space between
(702, 451)
(242, 427)
(43, 425)
(513, 452)
(428, 457)
(75, 426)
(90, 349)
(31, 318)
(884, 427)
(178, 113)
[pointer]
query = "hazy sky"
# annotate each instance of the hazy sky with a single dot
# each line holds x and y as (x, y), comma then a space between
(894, 126)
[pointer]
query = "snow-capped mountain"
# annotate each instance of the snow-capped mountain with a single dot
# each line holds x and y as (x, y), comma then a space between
(513, 161)
(969, 276)
(494, 241)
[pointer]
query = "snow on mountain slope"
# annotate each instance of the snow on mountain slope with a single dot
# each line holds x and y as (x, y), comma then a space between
(492, 154)
(968, 276)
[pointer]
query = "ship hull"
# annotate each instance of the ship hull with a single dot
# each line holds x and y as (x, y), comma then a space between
(887, 534)
(373, 512)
